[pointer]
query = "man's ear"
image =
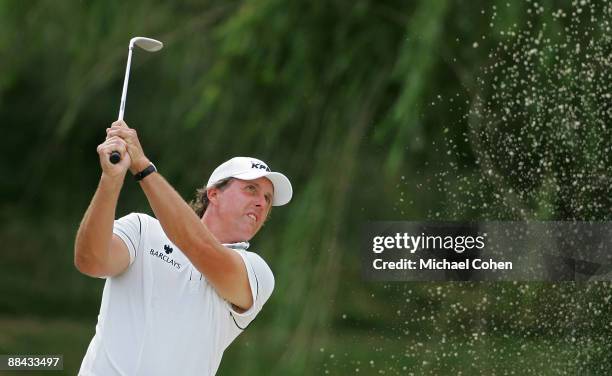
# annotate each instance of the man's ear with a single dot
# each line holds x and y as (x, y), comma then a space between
(212, 194)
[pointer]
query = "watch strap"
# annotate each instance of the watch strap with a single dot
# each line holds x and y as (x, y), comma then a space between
(146, 172)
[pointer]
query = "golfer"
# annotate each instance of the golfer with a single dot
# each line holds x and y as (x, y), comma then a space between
(182, 286)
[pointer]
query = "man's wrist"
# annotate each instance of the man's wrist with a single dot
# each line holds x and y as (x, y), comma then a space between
(112, 181)
(139, 165)
(145, 172)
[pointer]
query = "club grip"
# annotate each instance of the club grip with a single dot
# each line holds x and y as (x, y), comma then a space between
(115, 157)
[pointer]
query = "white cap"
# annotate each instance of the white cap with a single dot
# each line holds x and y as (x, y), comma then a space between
(247, 168)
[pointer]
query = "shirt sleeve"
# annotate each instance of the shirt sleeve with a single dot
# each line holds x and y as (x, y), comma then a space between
(261, 281)
(129, 229)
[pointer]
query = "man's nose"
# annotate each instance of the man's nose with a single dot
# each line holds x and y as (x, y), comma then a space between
(260, 200)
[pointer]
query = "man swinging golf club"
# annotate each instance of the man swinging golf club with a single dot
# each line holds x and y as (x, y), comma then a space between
(180, 288)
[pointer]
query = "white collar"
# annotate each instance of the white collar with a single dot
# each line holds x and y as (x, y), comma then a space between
(240, 245)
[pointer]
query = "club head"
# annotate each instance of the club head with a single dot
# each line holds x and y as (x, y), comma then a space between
(147, 44)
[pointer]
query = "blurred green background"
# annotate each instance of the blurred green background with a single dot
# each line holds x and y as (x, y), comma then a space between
(376, 110)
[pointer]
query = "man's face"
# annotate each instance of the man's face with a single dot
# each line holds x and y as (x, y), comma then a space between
(243, 206)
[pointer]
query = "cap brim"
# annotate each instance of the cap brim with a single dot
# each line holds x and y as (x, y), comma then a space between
(283, 191)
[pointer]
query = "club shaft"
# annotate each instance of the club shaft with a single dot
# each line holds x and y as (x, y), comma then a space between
(125, 84)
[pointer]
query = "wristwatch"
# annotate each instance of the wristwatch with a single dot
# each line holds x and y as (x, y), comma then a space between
(146, 172)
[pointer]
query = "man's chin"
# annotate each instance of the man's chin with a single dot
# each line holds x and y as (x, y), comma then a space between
(251, 234)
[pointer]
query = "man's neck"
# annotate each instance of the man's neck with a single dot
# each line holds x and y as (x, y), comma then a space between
(216, 228)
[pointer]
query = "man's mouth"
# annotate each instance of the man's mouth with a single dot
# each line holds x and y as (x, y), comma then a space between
(252, 216)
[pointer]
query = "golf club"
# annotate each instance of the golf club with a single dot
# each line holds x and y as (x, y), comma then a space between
(146, 44)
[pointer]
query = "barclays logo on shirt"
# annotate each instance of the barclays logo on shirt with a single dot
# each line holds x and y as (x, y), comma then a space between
(163, 255)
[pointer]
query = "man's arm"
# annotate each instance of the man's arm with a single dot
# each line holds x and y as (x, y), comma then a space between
(223, 267)
(97, 251)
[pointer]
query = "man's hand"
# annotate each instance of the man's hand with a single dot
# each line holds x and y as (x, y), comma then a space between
(105, 149)
(138, 159)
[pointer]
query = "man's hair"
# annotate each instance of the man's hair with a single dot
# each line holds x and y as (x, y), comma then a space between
(200, 202)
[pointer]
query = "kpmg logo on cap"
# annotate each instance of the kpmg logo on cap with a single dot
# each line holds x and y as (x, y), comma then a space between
(260, 166)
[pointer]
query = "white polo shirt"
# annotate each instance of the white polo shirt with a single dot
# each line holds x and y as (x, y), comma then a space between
(161, 316)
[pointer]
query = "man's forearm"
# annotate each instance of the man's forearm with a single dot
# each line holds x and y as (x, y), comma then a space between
(223, 268)
(96, 229)
(178, 220)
